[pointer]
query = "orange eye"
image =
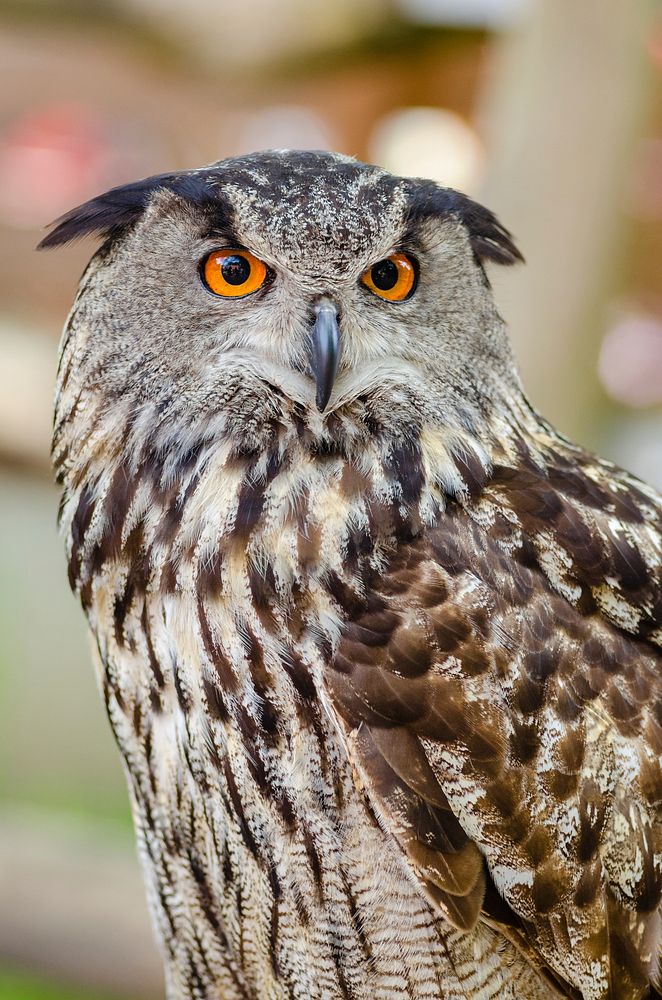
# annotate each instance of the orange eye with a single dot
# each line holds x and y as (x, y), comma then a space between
(392, 278)
(233, 272)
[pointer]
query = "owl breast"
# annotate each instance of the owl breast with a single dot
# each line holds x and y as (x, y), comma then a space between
(269, 873)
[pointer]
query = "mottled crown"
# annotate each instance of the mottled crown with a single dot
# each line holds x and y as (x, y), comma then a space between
(320, 196)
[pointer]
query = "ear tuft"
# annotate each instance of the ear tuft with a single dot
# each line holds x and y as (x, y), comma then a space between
(109, 214)
(489, 239)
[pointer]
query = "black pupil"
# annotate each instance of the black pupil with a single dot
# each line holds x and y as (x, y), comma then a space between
(384, 275)
(236, 270)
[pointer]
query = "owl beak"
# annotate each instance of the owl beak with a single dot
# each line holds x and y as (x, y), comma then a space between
(324, 351)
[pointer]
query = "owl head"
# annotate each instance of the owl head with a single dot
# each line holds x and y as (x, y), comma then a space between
(284, 278)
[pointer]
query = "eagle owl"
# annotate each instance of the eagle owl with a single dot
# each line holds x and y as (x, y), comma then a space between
(380, 649)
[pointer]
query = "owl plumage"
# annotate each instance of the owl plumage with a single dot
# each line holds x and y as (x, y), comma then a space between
(380, 649)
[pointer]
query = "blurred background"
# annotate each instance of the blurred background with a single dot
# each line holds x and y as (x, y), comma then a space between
(550, 111)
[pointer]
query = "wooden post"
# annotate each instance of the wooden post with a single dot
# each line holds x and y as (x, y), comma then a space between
(562, 116)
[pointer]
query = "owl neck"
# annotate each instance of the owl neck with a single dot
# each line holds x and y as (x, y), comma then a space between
(296, 496)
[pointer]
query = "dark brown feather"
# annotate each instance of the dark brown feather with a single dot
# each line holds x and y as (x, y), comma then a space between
(471, 696)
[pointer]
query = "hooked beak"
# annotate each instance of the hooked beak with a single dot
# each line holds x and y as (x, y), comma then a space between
(324, 351)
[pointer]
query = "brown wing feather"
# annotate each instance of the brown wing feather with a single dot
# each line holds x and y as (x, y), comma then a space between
(500, 690)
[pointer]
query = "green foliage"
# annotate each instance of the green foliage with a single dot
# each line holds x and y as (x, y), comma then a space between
(15, 985)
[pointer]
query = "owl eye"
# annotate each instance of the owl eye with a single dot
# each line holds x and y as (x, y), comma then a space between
(233, 273)
(392, 278)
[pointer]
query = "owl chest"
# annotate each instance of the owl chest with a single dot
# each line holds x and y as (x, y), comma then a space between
(255, 832)
(268, 873)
